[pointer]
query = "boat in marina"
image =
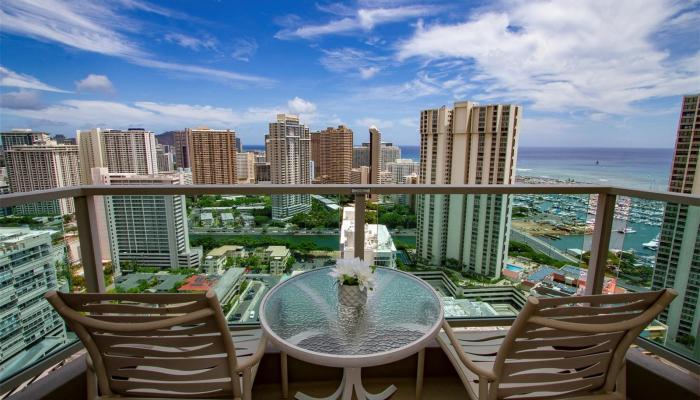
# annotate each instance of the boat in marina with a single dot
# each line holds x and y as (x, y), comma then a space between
(626, 230)
(653, 244)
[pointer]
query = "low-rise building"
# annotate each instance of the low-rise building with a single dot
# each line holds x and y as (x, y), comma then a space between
(207, 219)
(379, 246)
(198, 283)
(275, 256)
(227, 219)
(215, 261)
(229, 284)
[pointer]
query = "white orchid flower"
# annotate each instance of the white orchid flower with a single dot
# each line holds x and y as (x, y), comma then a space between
(354, 272)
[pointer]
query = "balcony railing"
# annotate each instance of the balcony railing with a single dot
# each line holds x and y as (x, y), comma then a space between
(87, 199)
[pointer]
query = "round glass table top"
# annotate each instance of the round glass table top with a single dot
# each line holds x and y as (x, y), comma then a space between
(302, 315)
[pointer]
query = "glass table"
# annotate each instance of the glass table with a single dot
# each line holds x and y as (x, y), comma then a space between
(303, 318)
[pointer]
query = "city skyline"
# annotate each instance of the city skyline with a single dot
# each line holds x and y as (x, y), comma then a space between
(613, 90)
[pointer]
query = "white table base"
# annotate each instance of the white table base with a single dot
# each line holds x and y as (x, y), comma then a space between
(352, 382)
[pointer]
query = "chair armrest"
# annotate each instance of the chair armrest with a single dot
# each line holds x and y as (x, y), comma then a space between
(463, 357)
(257, 356)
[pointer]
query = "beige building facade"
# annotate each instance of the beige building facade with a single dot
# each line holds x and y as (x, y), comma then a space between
(467, 144)
(333, 149)
(678, 257)
(212, 156)
(41, 167)
(288, 150)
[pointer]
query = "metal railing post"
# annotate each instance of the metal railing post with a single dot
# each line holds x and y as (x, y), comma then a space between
(90, 251)
(600, 243)
(360, 201)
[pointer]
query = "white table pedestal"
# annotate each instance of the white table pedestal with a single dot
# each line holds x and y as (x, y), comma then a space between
(352, 382)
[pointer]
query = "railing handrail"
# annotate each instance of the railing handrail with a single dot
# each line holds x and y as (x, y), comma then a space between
(18, 198)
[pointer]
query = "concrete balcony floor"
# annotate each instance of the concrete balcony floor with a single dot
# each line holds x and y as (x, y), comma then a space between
(439, 388)
(647, 379)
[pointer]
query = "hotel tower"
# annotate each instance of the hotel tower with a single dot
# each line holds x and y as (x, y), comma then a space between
(288, 151)
(678, 258)
(467, 144)
(331, 152)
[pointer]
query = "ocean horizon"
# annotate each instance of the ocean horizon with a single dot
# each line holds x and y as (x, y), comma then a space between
(640, 168)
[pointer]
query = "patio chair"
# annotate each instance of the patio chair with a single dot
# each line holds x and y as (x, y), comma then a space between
(160, 345)
(568, 347)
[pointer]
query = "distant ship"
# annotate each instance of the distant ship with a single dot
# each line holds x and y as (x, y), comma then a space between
(653, 244)
(627, 230)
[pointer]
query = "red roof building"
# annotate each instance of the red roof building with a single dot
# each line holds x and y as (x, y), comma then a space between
(197, 283)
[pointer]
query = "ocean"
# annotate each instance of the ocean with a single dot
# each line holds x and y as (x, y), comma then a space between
(628, 167)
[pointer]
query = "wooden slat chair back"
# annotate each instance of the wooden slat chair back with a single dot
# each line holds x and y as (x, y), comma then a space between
(568, 346)
(154, 345)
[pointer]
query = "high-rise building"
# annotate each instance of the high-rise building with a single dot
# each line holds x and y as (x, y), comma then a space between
(316, 152)
(239, 145)
(260, 156)
(165, 158)
(181, 149)
(246, 167)
(375, 157)
(40, 167)
(467, 144)
(62, 139)
(678, 258)
(20, 137)
(262, 172)
(359, 176)
(334, 147)
(405, 198)
(129, 151)
(388, 154)
(121, 151)
(90, 147)
(27, 321)
(360, 156)
(212, 156)
(287, 147)
(149, 230)
(402, 167)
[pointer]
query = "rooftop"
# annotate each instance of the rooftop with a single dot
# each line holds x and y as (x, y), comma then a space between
(198, 283)
(222, 250)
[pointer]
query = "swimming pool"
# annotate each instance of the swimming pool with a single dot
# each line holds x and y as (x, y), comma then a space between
(514, 268)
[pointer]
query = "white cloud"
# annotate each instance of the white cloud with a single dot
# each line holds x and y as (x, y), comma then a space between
(244, 49)
(154, 9)
(13, 79)
(380, 124)
(95, 27)
(197, 70)
(368, 72)
(21, 100)
(95, 83)
(298, 105)
(154, 115)
(422, 85)
(364, 64)
(191, 42)
(364, 19)
(562, 55)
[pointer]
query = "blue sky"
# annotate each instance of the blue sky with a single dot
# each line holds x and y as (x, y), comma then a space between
(588, 73)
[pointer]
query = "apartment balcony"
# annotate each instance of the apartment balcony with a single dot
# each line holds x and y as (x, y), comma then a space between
(548, 242)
